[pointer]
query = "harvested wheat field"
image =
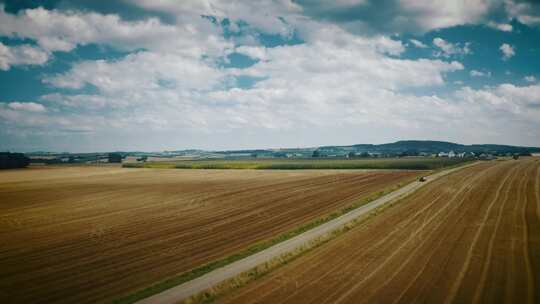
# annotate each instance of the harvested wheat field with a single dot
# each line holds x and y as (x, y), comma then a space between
(86, 235)
(470, 237)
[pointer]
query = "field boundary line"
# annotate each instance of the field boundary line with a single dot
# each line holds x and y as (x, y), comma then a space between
(215, 277)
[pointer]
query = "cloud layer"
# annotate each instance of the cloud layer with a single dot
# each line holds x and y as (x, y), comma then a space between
(345, 79)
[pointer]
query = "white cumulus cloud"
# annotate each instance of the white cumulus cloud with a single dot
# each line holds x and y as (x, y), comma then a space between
(476, 73)
(507, 50)
(255, 52)
(21, 55)
(63, 30)
(159, 71)
(436, 14)
(268, 16)
(523, 12)
(447, 49)
(505, 27)
(26, 106)
(530, 78)
(418, 44)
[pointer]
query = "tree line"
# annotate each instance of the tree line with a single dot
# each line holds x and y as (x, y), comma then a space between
(13, 160)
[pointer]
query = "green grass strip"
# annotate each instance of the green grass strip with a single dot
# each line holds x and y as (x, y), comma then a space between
(210, 295)
(307, 164)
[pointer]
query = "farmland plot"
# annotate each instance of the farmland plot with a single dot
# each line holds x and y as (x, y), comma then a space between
(470, 237)
(86, 235)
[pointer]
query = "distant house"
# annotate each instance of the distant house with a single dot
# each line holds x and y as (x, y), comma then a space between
(130, 159)
(451, 154)
(442, 154)
(487, 156)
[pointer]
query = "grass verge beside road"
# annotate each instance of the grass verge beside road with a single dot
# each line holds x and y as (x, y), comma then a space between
(210, 295)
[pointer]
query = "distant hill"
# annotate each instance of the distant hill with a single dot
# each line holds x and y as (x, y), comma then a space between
(398, 148)
(428, 146)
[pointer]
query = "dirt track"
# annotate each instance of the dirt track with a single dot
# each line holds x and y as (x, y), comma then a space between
(88, 235)
(473, 236)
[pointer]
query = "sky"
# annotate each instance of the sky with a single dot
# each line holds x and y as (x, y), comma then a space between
(145, 75)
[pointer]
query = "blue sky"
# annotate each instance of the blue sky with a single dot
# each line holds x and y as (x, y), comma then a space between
(146, 75)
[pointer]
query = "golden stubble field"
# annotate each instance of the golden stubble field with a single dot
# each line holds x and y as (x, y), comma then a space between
(90, 234)
(470, 237)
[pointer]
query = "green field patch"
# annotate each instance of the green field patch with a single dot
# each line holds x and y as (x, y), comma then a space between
(413, 163)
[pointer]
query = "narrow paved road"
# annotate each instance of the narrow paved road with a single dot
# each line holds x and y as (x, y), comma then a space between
(470, 237)
(213, 278)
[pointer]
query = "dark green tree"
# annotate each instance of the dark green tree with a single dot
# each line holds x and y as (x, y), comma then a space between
(115, 157)
(13, 160)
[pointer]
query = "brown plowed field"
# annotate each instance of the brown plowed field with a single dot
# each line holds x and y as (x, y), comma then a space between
(470, 237)
(86, 235)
